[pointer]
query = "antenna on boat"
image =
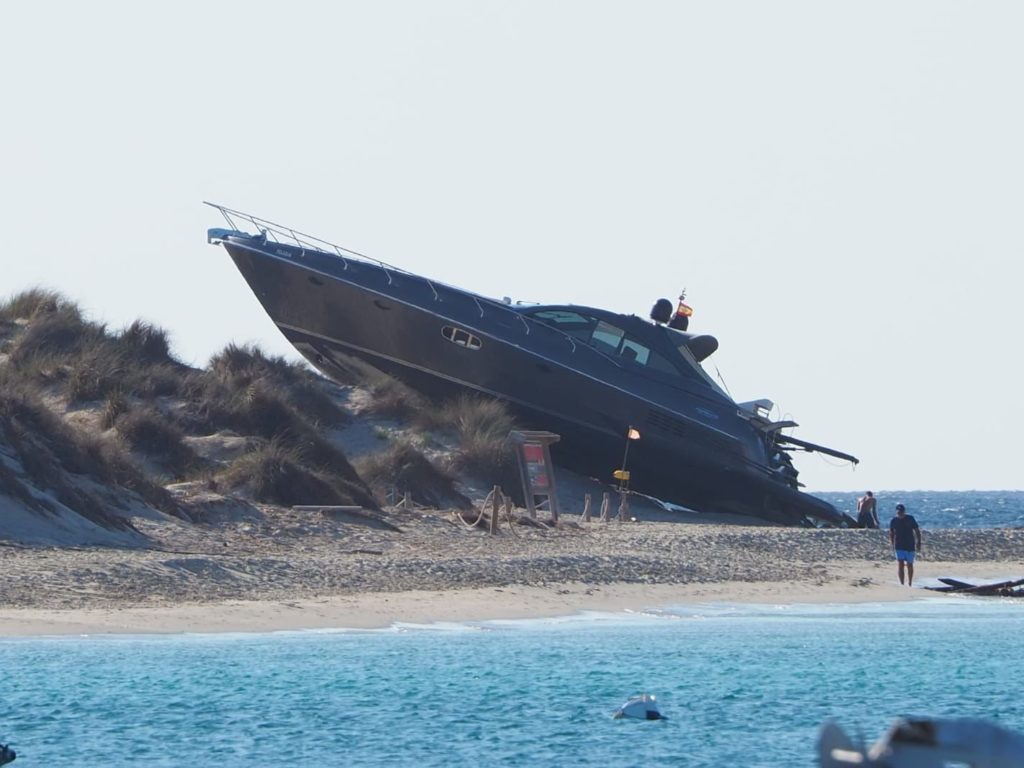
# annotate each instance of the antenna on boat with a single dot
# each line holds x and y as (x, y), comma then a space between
(725, 386)
(681, 320)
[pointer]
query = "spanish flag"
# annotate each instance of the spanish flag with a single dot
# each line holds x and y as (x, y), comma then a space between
(684, 310)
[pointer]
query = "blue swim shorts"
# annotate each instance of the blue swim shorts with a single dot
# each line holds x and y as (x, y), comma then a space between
(906, 555)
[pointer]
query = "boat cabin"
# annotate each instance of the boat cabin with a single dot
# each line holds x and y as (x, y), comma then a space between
(664, 352)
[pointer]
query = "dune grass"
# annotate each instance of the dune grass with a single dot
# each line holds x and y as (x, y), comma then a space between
(145, 343)
(54, 336)
(61, 461)
(276, 473)
(390, 398)
(283, 404)
(404, 468)
(58, 345)
(239, 367)
(149, 432)
(485, 452)
(29, 304)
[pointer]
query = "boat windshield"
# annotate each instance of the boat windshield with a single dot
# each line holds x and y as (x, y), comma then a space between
(687, 355)
(613, 340)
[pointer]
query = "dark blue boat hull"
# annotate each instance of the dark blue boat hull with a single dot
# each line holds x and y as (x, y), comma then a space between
(695, 450)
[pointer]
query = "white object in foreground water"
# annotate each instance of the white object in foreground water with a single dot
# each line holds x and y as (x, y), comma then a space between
(642, 707)
(926, 743)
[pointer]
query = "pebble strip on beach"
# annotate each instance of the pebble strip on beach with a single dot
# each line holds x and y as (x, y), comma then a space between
(291, 555)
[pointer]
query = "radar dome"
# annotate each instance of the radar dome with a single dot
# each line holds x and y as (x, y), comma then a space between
(661, 312)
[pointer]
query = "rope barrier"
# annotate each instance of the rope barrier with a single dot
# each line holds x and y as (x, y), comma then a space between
(458, 514)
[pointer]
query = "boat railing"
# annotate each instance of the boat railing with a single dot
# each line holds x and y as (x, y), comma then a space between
(281, 233)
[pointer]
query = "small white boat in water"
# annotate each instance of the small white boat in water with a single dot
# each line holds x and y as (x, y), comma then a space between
(642, 707)
(925, 743)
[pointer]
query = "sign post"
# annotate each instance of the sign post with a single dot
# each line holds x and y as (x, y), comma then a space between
(536, 470)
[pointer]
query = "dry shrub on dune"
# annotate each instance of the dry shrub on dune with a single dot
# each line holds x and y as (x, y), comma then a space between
(240, 367)
(407, 470)
(116, 404)
(150, 433)
(392, 399)
(54, 336)
(27, 305)
(95, 373)
(59, 344)
(145, 343)
(262, 408)
(275, 473)
(485, 452)
(59, 460)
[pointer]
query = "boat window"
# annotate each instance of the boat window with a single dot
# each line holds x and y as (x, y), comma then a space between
(638, 353)
(461, 337)
(562, 317)
(687, 355)
(572, 323)
(642, 355)
(659, 363)
(607, 335)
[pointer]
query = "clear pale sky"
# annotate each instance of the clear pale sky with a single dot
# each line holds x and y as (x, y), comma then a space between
(838, 186)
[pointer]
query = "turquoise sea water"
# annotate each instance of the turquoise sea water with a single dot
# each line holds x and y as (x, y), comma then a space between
(941, 509)
(741, 685)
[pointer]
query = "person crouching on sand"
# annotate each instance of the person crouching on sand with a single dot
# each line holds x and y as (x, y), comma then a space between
(905, 537)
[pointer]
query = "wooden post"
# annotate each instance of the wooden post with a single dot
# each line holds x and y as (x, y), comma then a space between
(406, 501)
(604, 507)
(586, 508)
(623, 507)
(495, 502)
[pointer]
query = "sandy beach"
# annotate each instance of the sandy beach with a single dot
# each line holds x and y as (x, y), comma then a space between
(287, 569)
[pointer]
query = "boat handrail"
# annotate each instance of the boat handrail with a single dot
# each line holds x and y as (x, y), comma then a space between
(282, 233)
(286, 235)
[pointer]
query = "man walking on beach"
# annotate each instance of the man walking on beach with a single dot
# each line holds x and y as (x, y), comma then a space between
(905, 537)
(866, 515)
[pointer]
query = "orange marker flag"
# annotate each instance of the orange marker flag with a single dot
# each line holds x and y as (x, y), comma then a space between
(633, 434)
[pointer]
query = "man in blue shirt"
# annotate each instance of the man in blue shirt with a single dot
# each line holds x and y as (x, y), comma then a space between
(905, 537)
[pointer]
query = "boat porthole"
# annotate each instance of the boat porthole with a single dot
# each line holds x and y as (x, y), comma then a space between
(315, 280)
(381, 305)
(460, 337)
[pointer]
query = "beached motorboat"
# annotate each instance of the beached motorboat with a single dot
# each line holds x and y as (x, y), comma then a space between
(925, 743)
(592, 376)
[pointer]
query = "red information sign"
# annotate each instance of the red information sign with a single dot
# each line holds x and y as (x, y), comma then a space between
(536, 470)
